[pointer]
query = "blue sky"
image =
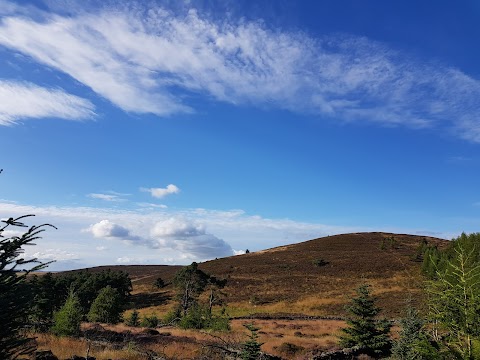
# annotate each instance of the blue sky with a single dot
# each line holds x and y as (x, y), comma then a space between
(167, 131)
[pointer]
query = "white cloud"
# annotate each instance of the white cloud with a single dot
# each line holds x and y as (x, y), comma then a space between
(162, 192)
(150, 205)
(173, 236)
(106, 197)
(149, 60)
(28, 101)
(190, 238)
(54, 254)
(108, 229)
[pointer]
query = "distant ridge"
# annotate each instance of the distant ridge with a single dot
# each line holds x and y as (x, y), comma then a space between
(314, 277)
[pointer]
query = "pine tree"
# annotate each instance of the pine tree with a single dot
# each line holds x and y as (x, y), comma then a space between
(134, 319)
(364, 331)
(67, 320)
(413, 343)
(107, 307)
(15, 293)
(251, 347)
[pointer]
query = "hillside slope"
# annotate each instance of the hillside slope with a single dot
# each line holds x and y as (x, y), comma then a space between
(288, 279)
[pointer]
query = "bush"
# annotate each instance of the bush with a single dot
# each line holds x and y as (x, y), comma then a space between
(150, 321)
(173, 316)
(199, 317)
(159, 283)
(107, 307)
(320, 262)
(134, 319)
(67, 320)
(289, 349)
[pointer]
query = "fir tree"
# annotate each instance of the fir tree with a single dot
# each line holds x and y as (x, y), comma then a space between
(134, 319)
(251, 347)
(413, 343)
(67, 320)
(107, 307)
(15, 294)
(364, 331)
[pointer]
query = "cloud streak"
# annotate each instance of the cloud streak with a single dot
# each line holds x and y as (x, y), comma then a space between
(152, 60)
(21, 100)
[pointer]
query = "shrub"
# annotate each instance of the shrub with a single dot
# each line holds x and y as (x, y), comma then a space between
(107, 307)
(199, 317)
(67, 320)
(289, 349)
(320, 262)
(150, 321)
(133, 319)
(159, 283)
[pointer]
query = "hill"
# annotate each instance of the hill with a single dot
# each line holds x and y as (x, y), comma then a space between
(313, 278)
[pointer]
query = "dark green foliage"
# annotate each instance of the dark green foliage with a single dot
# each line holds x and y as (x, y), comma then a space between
(364, 330)
(414, 342)
(247, 251)
(251, 349)
(388, 243)
(151, 321)
(134, 319)
(15, 294)
(159, 283)
(43, 305)
(107, 307)
(67, 320)
(419, 254)
(199, 317)
(54, 290)
(190, 282)
(319, 262)
(433, 261)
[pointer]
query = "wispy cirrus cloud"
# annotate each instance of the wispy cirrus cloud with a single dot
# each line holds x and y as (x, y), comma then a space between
(148, 59)
(22, 100)
(109, 196)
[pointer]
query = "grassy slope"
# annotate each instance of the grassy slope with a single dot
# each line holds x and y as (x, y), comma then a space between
(286, 280)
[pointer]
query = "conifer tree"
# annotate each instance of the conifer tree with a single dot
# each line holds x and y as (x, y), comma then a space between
(413, 343)
(454, 301)
(15, 294)
(107, 307)
(251, 347)
(134, 319)
(364, 331)
(66, 321)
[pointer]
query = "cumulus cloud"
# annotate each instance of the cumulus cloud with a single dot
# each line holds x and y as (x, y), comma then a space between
(19, 100)
(108, 229)
(150, 60)
(162, 192)
(190, 238)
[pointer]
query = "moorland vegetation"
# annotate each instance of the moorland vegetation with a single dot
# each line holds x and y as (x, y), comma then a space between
(111, 313)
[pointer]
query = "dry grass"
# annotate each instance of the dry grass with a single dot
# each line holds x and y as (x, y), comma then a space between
(186, 344)
(281, 280)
